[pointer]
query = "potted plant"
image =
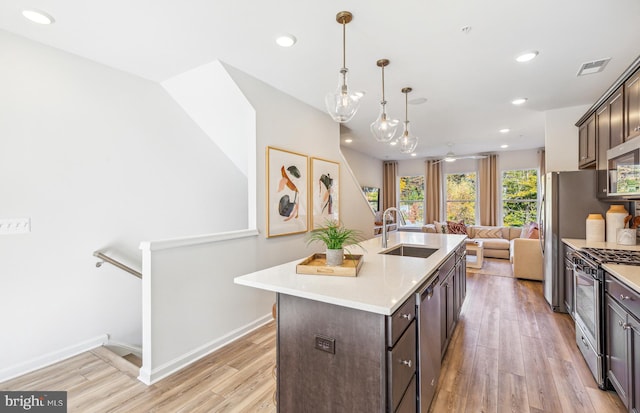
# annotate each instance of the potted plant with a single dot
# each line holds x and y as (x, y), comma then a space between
(335, 236)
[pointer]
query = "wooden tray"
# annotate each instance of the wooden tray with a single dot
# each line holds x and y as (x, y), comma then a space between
(317, 265)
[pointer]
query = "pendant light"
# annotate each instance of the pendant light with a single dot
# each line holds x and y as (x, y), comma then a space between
(407, 141)
(383, 128)
(343, 104)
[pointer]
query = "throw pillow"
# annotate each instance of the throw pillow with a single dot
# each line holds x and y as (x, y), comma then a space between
(534, 234)
(457, 227)
(488, 233)
(441, 227)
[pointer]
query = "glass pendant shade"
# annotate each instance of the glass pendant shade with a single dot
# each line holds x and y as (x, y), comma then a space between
(408, 142)
(383, 128)
(343, 104)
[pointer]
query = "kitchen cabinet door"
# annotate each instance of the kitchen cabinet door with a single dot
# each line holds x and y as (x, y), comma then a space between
(616, 119)
(634, 331)
(632, 105)
(616, 340)
(587, 143)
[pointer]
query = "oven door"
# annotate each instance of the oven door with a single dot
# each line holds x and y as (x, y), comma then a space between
(587, 305)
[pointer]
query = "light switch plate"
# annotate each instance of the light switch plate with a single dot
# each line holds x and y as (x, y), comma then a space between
(15, 226)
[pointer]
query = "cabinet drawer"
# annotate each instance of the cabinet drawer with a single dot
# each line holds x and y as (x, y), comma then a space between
(623, 294)
(401, 366)
(398, 322)
(409, 402)
(447, 266)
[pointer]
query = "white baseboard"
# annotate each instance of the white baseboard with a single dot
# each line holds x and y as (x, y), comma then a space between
(123, 349)
(150, 376)
(51, 358)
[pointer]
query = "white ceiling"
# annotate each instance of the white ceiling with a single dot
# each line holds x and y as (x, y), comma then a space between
(468, 79)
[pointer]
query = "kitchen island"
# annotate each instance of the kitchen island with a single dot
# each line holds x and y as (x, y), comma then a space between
(353, 343)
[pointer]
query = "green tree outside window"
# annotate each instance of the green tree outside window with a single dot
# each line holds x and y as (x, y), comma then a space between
(519, 197)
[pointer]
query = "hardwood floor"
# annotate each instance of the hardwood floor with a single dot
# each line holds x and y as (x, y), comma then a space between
(509, 353)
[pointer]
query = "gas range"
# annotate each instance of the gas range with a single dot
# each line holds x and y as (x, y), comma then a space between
(612, 256)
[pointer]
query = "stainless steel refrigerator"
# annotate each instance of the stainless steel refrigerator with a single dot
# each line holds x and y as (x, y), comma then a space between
(568, 198)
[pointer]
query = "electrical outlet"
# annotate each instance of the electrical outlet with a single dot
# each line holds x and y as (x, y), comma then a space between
(326, 344)
(15, 226)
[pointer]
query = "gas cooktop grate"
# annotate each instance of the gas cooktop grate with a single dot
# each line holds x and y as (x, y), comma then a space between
(612, 256)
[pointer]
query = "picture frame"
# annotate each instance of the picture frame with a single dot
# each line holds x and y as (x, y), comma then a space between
(325, 191)
(287, 192)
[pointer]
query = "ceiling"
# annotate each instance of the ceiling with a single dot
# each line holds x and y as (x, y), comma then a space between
(468, 78)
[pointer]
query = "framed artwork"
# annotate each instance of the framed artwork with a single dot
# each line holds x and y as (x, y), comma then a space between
(287, 192)
(325, 191)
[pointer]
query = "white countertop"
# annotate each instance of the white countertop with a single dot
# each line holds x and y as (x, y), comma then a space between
(628, 274)
(383, 283)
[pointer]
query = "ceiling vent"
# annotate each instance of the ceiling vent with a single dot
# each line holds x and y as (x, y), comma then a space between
(593, 67)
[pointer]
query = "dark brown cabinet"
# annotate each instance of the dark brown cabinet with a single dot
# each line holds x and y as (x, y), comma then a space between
(334, 358)
(453, 289)
(622, 337)
(632, 106)
(587, 143)
(609, 133)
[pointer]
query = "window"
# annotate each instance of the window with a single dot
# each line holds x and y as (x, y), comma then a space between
(519, 196)
(412, 199)
(461, 197)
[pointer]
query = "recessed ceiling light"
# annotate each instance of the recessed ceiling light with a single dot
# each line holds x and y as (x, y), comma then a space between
(505, 130)
(38, 16)
(286, 40)
(414, 154)
(348, 140)
(393, 143)
(504, 146)
(417, 101)
(527, 56)
(518, 101)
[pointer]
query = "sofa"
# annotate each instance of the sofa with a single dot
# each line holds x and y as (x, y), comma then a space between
(511, 243)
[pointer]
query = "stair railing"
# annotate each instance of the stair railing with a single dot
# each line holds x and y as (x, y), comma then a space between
(115, 263)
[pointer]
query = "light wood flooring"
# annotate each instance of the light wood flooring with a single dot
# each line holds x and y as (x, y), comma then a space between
(509, 353)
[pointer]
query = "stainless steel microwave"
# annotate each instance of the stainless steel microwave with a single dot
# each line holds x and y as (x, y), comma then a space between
(623, 169)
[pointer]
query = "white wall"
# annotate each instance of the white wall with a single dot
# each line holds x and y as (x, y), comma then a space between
(561, 138)
(367, 170)
(202, 273)
(100, 159)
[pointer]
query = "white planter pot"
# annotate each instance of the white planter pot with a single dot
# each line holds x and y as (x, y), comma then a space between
(335, 257)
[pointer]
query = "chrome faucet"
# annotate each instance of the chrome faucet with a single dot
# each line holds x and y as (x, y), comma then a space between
(384, 223)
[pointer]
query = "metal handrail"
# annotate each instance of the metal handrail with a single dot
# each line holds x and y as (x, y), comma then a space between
(113, 262)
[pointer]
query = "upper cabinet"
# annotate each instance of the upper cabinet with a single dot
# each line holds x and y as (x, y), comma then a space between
(609, 132)
(611, 121)
(587, 145)
(632, 112)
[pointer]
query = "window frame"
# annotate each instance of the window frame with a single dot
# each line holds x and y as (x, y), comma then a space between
(424, 200)
(535, 201)
(476, 197)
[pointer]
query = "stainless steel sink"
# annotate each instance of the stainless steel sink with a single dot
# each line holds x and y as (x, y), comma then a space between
(407, 250)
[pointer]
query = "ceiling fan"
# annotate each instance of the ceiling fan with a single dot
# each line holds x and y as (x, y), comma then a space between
(452, 157)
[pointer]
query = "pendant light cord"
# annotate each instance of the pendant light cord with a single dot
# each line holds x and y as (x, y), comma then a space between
(383, 83)
(344, 43)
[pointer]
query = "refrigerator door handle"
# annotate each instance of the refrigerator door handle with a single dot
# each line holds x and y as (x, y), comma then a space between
(542, 219)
